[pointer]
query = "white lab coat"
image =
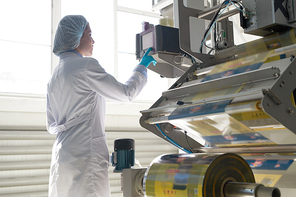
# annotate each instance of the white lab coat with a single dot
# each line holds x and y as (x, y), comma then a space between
(76, 96)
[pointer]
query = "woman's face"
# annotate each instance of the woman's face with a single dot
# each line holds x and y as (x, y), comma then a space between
(85, 47)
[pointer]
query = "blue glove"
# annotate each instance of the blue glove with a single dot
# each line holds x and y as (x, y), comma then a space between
(147, 59)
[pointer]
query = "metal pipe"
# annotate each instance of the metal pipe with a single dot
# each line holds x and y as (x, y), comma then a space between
(228, 14)
(238, 189)
(243, 107)
(209, 11)
(284, 50)
(205, 13)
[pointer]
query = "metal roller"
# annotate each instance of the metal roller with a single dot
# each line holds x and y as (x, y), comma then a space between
(203, 175)
(234, 189)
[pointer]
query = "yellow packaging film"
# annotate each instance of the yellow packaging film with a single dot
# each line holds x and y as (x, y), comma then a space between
(245, 61)
(250, 115)
(268, 180)
(194, 175)
(258, 120)
(173, 180)
(293, 101)
(218, 125)
(214, 93)
(267, 43)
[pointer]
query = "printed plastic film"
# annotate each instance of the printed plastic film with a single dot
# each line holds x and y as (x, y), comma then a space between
(194, 175)
(261, 45)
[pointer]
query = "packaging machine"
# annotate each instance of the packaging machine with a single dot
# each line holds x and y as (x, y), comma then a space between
(232, 108)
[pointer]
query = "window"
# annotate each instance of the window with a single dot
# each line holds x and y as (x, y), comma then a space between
(130, 16)
(145, 5)
(128, 25)
(25, 41)
(115, 44)
(99, 14)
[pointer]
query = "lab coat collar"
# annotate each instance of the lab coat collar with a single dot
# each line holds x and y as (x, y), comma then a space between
(70, 54)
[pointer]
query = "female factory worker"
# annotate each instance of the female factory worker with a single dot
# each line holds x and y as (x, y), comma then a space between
(76, 96)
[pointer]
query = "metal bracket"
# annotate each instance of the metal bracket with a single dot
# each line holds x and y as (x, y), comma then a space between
(272, 96)
(277, 101)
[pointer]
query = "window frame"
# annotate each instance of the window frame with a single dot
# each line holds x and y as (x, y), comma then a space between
(117, 9)
(55, 18)
(56, 7)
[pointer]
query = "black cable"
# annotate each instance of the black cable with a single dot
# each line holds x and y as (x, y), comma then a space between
(215, 37)
(192, 59)
(209, 47)
(188, 142)
(211, 51)
(214, 18)
(211, 23)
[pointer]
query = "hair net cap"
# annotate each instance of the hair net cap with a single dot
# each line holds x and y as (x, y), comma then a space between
(69, 33)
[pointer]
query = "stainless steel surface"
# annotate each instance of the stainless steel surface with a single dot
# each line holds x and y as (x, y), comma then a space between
(184, 13)
(267, 17)
(166, 66)
(209, 11)
(280, 106)
(132, 182)
(228, 14)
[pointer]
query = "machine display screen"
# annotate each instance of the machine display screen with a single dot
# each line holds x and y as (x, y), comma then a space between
(147, 40)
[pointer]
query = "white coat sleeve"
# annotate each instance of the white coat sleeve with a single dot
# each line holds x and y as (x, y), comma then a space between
(109, 88)
(51, 124)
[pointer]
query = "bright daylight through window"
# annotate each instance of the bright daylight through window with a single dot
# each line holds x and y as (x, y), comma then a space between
(117, 40)
(26, 47)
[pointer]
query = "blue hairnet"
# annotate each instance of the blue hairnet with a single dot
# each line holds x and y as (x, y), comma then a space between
(69, 33)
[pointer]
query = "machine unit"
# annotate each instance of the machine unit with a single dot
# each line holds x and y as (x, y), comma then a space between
(232, 101)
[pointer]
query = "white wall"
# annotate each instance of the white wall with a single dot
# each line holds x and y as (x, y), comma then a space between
(28, 112)
(25, 145)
